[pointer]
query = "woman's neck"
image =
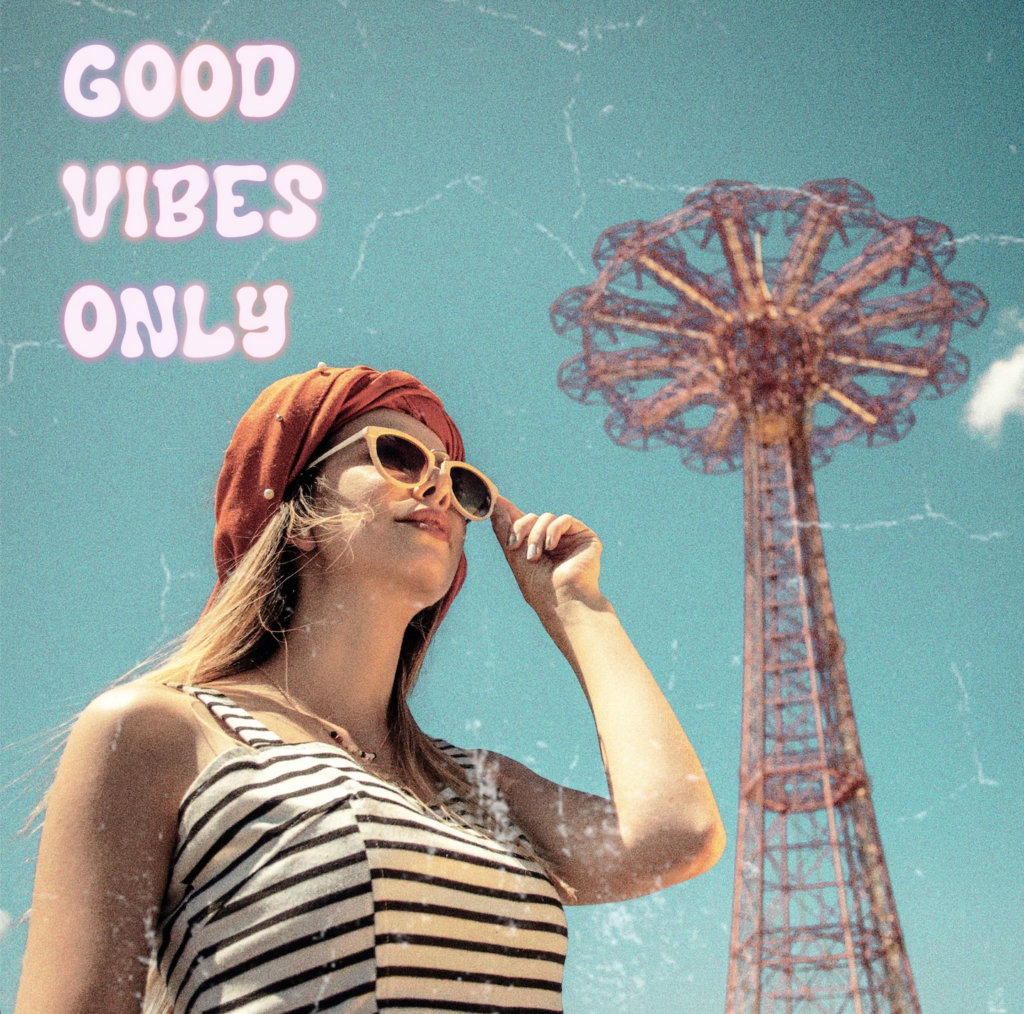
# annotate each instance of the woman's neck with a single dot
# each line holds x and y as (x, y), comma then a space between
(339, 658)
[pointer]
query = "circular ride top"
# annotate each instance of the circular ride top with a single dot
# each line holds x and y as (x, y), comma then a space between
(808, 305)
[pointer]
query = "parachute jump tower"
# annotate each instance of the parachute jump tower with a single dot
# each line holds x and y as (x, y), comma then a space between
(812, 320)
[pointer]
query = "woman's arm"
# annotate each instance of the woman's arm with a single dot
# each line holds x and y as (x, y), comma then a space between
(105, 853)
(661, 824)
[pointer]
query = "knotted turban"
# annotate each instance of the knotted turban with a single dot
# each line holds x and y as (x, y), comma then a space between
(277, 436)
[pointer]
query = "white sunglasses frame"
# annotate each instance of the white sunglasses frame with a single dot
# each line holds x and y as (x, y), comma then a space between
(370, 435)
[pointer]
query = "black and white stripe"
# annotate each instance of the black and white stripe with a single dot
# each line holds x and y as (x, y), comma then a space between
(302, 882)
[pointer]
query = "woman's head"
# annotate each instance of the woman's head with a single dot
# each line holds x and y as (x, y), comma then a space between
(289, 425)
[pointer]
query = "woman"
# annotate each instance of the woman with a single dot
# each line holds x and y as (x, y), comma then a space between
(258, 825)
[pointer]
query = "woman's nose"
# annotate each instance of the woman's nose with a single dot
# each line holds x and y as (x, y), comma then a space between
(435, 489)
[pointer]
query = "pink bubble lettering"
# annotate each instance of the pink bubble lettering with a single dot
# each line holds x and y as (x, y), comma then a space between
(91, 323)
(152, 81)
(173, 203)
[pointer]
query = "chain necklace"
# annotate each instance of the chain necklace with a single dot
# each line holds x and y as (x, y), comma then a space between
(336, 732)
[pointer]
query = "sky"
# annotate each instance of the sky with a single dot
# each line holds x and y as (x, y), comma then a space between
(471, 155)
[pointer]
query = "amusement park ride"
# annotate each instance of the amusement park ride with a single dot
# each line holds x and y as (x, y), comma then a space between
(811, 320)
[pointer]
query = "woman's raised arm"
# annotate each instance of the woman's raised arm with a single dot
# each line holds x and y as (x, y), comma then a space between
(105, 853)
(661, 824)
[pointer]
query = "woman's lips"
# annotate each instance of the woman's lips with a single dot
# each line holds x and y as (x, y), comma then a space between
(429, 521)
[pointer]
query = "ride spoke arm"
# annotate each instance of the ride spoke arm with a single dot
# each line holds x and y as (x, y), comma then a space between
(743, 266)
(849, 404)
(640, 364)
(670, 279)
(928, 305)
(636, 323)
(883, 365)
(874, 264)
(649, 413)
(805, 253)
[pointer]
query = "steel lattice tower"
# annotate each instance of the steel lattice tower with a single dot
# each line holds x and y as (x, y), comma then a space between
(813, 320)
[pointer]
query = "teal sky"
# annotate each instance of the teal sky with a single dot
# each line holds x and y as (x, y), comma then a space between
(472, 154)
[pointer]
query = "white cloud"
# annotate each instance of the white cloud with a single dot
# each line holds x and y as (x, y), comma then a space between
(1000, 389)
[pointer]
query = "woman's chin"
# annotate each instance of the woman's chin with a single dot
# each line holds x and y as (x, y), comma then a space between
(424, 579)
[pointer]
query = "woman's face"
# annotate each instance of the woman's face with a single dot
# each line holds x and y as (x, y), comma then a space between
(411, 540)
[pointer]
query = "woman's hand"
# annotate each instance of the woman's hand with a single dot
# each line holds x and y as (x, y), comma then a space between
(554, 559)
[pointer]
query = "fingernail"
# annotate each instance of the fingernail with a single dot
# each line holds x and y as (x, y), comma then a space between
(532, 551)
(511, 538)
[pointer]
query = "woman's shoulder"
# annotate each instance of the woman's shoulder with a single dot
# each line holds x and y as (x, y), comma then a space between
(139, 734)
(143, 709)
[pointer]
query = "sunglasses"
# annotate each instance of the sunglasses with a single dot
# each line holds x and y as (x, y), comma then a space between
(406, 462)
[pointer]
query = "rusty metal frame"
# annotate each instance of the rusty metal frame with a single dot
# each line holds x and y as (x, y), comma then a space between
(813, 320)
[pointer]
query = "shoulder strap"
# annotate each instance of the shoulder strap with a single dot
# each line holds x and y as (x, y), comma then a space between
(237, 720)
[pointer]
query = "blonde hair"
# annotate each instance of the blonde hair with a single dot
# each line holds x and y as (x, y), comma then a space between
(247, 623)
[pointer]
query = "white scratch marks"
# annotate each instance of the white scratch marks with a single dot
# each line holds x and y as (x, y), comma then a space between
(574, 154)
(208, 21)
(169, 579)
(989, 237)
(501, 16)
(367, 233)
(360, 29)
(114, 10)
(371, 228)
(16, 347)
(964, 707)
(496, 14)
(583, 35)
(563, 246)
(631, 181)
(34, 220)
(979, 778)
(48, 214)
(478, 186)
(271, 248)
(928, 514)
(979, 774)
(618, 26)
(430, 200)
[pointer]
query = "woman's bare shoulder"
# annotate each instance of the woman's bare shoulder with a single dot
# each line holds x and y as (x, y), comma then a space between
(151, 710)
(106, 849)
(133, 731)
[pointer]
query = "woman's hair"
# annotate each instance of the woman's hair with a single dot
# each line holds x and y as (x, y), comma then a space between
(248, 620)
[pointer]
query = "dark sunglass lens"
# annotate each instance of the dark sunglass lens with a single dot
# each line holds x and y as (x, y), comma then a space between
(471, 491)
(401, 458)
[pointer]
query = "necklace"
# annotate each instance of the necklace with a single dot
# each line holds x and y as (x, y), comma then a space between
(336, 732)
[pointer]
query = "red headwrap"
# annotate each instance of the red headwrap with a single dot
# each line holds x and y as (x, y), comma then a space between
(276, 438)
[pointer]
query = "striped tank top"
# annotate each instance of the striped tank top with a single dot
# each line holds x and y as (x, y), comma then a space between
(301, 882)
